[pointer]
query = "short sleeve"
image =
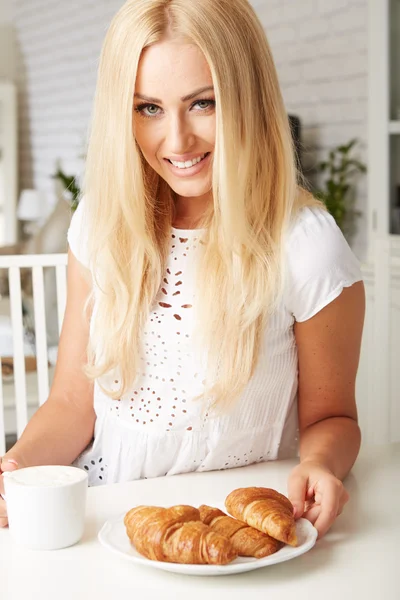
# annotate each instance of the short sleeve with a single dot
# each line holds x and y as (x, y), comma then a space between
(319, 263)
(77, 235)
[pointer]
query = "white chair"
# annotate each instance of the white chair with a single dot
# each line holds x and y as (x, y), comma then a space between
(37, 264)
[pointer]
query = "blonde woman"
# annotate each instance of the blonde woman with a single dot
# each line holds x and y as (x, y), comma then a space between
(214, 311)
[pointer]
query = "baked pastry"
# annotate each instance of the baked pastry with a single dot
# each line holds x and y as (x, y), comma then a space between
(176, 535)
(246, 540)
(266, 510)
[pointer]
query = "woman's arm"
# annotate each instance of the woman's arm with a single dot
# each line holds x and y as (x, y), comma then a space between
(328, 353)
(64, 425)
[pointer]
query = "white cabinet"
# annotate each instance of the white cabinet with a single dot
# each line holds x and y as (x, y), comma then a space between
(378, 384)
(384, 118)
(378, 380)
(394, 349)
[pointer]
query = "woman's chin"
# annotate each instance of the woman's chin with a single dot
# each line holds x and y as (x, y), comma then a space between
(189, 189)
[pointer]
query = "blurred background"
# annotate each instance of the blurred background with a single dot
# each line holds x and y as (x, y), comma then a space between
(338, 64)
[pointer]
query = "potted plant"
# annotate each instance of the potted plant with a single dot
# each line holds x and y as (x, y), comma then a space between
(70, 185)
(338, 188)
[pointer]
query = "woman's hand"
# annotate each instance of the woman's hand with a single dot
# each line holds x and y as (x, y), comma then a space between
(6, 464)
(316, 495)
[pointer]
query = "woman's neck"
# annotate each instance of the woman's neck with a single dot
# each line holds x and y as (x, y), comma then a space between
(185, 222)
(189, 211)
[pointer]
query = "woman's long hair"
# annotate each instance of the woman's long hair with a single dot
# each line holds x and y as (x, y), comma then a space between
(130, 209)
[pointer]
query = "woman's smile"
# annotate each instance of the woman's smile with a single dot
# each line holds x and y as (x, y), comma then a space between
(188, 168)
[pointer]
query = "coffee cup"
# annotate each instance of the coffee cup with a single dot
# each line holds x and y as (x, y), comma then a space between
(46, 506)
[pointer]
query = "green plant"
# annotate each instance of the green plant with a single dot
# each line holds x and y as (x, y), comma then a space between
(70, 185)
(338, 191)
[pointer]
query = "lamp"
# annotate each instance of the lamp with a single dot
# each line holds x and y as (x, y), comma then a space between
(32, 210)
(31, 206)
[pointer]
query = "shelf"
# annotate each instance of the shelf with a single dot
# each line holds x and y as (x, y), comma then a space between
(394, 127)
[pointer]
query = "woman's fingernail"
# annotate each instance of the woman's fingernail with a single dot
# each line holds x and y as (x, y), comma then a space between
(11, 460)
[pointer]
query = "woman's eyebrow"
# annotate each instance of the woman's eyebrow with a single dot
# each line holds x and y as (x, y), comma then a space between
(191, 96)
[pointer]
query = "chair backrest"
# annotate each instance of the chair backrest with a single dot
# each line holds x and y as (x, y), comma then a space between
(35, 265)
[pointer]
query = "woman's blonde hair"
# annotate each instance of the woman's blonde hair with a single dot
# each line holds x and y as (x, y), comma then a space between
(130, 209)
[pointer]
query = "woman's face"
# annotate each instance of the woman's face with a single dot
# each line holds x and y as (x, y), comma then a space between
(174, 116)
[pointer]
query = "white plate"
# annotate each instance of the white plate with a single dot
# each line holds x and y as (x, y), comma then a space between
(113, 536)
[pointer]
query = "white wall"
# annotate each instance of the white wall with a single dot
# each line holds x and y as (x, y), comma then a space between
(320, 48)
(7, 40)
(8, 122)
(59, 44)
(7, 11)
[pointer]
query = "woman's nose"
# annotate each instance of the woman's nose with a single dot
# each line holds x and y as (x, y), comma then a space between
(180, 136)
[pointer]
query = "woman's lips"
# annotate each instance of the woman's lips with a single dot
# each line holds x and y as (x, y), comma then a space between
(189, 171)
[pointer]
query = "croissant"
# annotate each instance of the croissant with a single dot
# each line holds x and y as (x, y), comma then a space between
(266, 510)
(176, 535)
(246, 540)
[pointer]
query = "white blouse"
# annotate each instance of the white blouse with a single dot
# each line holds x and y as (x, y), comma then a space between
(157, 428)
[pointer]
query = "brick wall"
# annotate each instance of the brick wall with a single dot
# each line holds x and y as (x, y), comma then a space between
(320, 48)
(58, 49)
(7, 41)
(7, 12)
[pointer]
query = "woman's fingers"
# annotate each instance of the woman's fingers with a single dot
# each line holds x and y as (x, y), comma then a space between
(344, 498)
(316, 494)
(312, 513)
(3, 514)
(331, 502)
(6, 464)
(3, 509)
(297, 490)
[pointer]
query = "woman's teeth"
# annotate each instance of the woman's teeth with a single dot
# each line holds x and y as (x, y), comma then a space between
(188, 163)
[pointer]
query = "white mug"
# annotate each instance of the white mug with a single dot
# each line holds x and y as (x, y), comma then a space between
(46, 506)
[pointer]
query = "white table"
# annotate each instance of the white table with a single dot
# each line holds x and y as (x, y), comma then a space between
(358, 559)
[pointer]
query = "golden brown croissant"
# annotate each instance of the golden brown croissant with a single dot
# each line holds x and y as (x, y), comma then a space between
(246, 540)
(176, 535)
(265, 509)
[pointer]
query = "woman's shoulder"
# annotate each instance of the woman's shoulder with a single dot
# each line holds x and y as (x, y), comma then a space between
(314, 239)
(310, 220)
(318, 262)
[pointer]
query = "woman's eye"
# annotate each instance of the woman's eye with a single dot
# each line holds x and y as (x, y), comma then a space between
(147, 110)
(152, 110)
(205, 104)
